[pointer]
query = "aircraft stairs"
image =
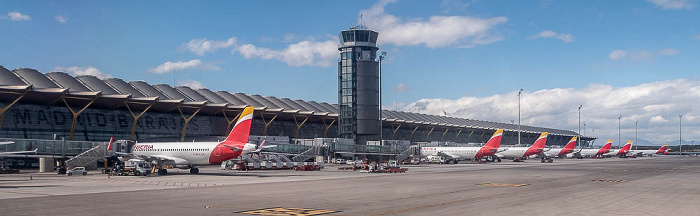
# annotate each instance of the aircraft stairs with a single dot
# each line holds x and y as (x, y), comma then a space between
(409, 152)
(308, 154)
(87, 157)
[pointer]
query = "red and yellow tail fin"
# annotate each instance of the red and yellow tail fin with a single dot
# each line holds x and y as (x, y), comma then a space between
(541, 141)
(241, 130)
(572, 144)
(111, 140)
(495, 140)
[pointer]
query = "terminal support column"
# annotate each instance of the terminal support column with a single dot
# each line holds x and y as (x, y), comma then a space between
(470, 136)
(187, 119)
(458, 132)
(76, 114)
(267, 123)
(136, 117)
(393, 133)
(229, 122)
(296, 134)
(327, 127)
(443, 134)
(2, 110)
(427, 137)
(412, 132)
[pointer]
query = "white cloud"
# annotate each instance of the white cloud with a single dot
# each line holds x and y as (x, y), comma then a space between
(649, 103)
(672, 4)
(168, 67)
(17, 16)
(551, 34)
(78, 71)
(617, 54)
(400, 88)
(202, 46)
(669, 51)
(61, 19)
(303, 53)
(640, 55)
(657, 119)
(194, 84)
(436, 31)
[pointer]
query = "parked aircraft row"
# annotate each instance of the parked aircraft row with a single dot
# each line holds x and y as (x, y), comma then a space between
(492, 151)
(188, 155)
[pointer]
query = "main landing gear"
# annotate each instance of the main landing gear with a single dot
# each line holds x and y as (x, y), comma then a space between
(194, 170)
(547, 160)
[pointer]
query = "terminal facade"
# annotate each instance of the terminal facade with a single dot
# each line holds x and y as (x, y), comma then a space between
(34, 105)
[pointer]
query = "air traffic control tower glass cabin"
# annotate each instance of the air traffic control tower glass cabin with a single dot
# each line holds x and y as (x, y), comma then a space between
(358, 85)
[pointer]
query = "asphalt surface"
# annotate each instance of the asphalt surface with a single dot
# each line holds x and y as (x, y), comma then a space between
(666, 185)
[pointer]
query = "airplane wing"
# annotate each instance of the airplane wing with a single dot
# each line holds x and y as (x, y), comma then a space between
(152, 158)
(18, 152)
(449, 155)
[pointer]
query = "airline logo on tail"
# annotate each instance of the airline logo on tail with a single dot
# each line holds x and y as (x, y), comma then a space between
(605, 148)
(625, 149)
(111, 140)
(538, 146)
(492, 145)
(569, 147)
(236, 140)
(662, 150)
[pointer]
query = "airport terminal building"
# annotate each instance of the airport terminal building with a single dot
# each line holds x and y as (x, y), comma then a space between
(35, 105)
(54, 105)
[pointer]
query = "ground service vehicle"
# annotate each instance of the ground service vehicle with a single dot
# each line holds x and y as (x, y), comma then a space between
(77, 171)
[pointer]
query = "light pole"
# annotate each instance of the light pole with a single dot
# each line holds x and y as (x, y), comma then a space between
(635, 135)
(680, 134)
(381, 129)
(579, 124)
(619, 133)
(519, 93)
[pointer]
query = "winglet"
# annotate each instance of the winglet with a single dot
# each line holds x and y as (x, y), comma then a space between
(111, 140)
(241, 130)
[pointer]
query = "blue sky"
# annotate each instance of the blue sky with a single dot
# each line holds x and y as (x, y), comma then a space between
(440, 53)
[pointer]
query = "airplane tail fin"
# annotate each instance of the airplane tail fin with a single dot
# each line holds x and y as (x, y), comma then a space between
(241, 130)
(572, 144)
(627, 146)
(495, 140)
(662, 150)
(541, 141)
(607, 145)
(111, 141)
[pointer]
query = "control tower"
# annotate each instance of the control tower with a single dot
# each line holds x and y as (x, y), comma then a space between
(358, 85)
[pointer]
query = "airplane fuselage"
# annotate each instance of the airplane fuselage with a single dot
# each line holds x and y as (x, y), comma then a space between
(191, 153)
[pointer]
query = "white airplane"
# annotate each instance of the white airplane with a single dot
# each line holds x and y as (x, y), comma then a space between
(6, 143)
(455, 154)
(520, 153)
(662, 151)
(593, 153)
(622, 152)
(187, 155)
(562, 152)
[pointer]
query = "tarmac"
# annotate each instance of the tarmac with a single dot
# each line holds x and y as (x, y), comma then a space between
(662, 185)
